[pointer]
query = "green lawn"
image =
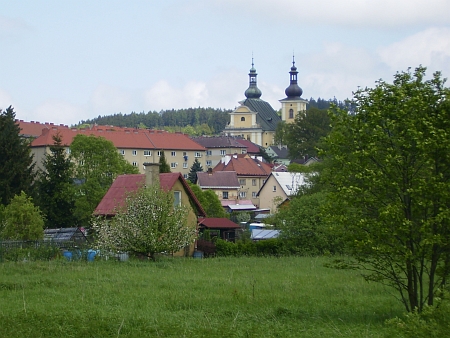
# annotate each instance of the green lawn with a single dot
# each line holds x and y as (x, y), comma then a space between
(221, 297)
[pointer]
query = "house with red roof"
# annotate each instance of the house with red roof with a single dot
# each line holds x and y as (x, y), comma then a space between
(251, 172)
(225, 184)
(123, 185)
(221, 228)
(219, 146)
(33, 129)
(137, 146)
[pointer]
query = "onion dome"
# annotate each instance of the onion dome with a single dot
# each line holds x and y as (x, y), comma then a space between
(293, 91)
(253, 91)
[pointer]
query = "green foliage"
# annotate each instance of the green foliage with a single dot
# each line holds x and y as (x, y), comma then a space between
(163, 165)
(97, 164)
(38, 252)
(22, 220)
(387, 173)
(16, 161)
(56, 187)
(196, 167)
(148, 224)
(209, 201)
(265, 155)
(268, 247)
(302, 136)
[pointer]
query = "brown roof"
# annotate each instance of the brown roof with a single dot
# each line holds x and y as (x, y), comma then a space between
(244, 166)
(218, 179)
(123, 185)
(34, 129)
(122, 138)
(217, 223)
(218, 142)
(252, 148)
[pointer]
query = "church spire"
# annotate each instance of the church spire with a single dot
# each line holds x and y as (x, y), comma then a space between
(253, 91)
(293, 91)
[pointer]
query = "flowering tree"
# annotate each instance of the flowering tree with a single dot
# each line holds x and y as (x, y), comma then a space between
(148, 224)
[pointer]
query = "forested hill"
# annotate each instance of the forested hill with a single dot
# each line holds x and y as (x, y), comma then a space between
(215, 119)
(192, 121)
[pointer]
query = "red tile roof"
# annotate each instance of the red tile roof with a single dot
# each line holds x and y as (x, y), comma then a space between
(244, 166)
(252, 148)
(174, 141)
(34, 129)
(217, 223)
(123, 185)
(218, 179)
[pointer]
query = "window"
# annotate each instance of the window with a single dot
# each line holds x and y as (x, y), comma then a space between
(122, 152)
(264, 181)
(208, 153)
(223, 152)
(254, 182)
(274, 188)
(242, 118)
(67, 150)
(185, 165)
(254, 194)
(134, 152)
(184, 153)
(291, 113)
(185, 176)
(173, 153)
(242, 181)
(243, 194)
(198, 154)
(177, 198)
(159, 152)
(173, 165)
(147, 153)
(243, 151)
(225, 195)
(208, 163)
(134, 164)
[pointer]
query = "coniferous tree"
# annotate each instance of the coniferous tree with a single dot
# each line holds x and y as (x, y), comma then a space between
(196, 166)
(163, 166)
(16, 160)
(56, 188)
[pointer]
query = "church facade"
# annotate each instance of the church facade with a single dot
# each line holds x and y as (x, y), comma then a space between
(255, 119)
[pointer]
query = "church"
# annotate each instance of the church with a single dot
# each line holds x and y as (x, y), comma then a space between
(255, 119)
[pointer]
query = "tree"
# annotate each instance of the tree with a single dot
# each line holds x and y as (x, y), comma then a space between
(196, 167)
(389, 178)
(16, 161)
(147, 225)
(163, 166)
(97, 164)
(303, 135)
(22, 220)
(209, 201)
(56, 187)
(280, 133)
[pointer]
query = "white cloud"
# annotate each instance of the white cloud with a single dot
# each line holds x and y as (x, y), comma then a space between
(353, 13)
(108, 99)
(5, 100)
(58, 112)
(430, 48)
(12, 28)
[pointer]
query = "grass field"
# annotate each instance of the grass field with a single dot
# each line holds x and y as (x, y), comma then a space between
(221, 297)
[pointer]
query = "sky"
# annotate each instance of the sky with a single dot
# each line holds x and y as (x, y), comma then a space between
(67, 61)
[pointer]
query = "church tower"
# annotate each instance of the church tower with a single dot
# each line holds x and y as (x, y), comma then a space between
(293, 104)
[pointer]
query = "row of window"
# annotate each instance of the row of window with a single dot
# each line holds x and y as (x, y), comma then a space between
(149, 153)
(243, 181)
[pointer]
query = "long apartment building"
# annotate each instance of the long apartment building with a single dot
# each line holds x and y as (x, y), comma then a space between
(137, 146)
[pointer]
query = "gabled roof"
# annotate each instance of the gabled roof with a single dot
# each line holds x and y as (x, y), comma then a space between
(267, 117)
(217, 223)
(218, 180)
(34, 128)
(252, 148)
(243, 166)
(172, 141)
(281, 152)
(289, 182)
(218, 142)
(123, 185)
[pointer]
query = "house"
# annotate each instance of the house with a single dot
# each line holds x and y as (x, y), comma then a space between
(251, 172)
(219, 146)
(33, 129)
(137, 146)
(124, 184)
(279, 187)
(255, 119)
(279, 154)
(222, 228)
(224, 183)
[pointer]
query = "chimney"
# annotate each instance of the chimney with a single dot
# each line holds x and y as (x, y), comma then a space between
(210, 172)
(151, 173)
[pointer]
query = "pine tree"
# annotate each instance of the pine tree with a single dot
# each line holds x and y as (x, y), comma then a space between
(16, 160)
(56, 188)
(164, 167)
(192, 177)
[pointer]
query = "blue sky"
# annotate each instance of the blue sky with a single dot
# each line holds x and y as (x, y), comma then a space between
(65, 61)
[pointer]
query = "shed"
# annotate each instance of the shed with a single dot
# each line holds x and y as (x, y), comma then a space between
(262, 234)
(65, 235)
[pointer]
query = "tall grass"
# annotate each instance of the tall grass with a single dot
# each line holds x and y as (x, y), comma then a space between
(222, 297)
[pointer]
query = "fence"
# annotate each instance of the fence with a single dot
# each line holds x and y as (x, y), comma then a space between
(34, 250)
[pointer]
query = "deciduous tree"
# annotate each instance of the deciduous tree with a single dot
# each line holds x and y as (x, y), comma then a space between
(390, 183)
(147, 225)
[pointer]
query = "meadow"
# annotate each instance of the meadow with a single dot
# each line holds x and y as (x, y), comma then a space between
(219, 297)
